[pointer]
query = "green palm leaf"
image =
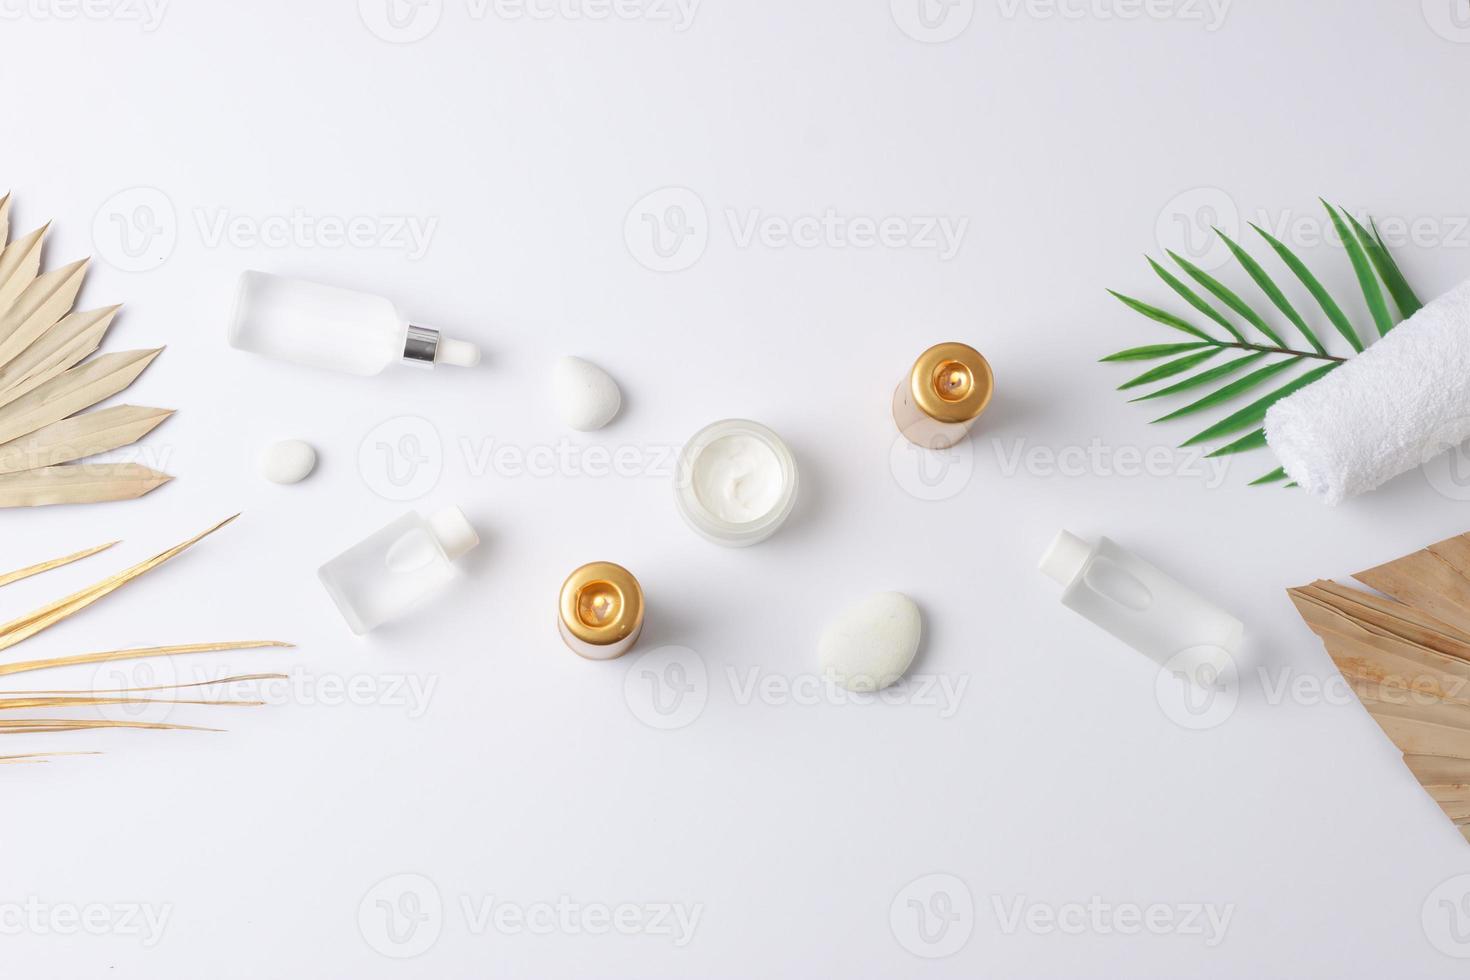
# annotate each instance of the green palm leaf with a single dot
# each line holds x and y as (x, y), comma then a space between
(1151, 352)
(1171, 368)
(1256, 440)
(1388, 270)
(1250, 372)
(1231, 390)
(1324, 299)
(1272, 291)
(1255, 412)
(1158, 315)
(1194, 300)
(1204, 377)
(1363, 269)
(1224, 295)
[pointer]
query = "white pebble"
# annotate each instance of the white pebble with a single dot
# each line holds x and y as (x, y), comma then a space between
(288, 461)
(586, 396)
(872, 643)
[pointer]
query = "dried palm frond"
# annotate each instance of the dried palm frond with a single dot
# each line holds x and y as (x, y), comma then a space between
(138, 653)
(45, 381)
(79, 483)
(1407, 657)
(46, 566)
(32, 623)
(24, 627)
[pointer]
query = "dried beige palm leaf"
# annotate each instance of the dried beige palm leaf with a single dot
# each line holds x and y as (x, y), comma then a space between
(19, 263)
(4, 219)
(38, 757)
(1408, 659)
(40, 307)
(8, 703)
(216, 682)
(137, 653)
(36, 726)
(32, 623)
(46, 566)
(73, 390)
(76, 336)
(80, 436)
(79, 483)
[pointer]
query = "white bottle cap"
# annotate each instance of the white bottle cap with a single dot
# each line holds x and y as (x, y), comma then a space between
(453, 531)
(1065, 557)
(460, 353)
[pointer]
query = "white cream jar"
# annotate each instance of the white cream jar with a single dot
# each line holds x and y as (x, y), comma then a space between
(736, 482)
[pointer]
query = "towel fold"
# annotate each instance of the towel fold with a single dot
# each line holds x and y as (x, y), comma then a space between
(1386, 411)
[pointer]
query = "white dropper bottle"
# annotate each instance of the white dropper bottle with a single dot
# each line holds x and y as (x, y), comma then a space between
(337, 329)
(1143, 607)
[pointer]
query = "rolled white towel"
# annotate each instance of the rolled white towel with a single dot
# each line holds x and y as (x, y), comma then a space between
(1384, 411)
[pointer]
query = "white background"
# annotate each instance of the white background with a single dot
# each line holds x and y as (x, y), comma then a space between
(1071, 140)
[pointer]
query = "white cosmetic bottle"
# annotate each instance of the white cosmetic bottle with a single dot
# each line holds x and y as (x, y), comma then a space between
(398, 568)
(338, 329)
(1143, 607)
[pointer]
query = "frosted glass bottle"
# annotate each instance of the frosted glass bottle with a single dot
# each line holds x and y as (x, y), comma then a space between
(398, 568)
(338, 329)
(1142, 606)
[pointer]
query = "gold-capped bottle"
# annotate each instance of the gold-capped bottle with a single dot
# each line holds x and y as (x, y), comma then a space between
(600, 613)
(942, 395)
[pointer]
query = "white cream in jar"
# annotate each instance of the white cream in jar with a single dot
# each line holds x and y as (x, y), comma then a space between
(736, 483)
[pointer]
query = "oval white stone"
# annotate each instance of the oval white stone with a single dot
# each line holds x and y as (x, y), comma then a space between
(872, 643)
(586, 396)
(288, 461)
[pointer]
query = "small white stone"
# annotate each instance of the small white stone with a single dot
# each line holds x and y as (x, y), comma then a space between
(586, 396)
(288, 461)
(872, 643)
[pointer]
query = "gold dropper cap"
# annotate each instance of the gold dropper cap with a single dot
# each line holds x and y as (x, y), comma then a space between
(951, 382)
(601, 604)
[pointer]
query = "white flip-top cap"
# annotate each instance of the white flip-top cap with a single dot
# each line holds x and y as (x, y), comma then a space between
(453, 531)
(1065, 558)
